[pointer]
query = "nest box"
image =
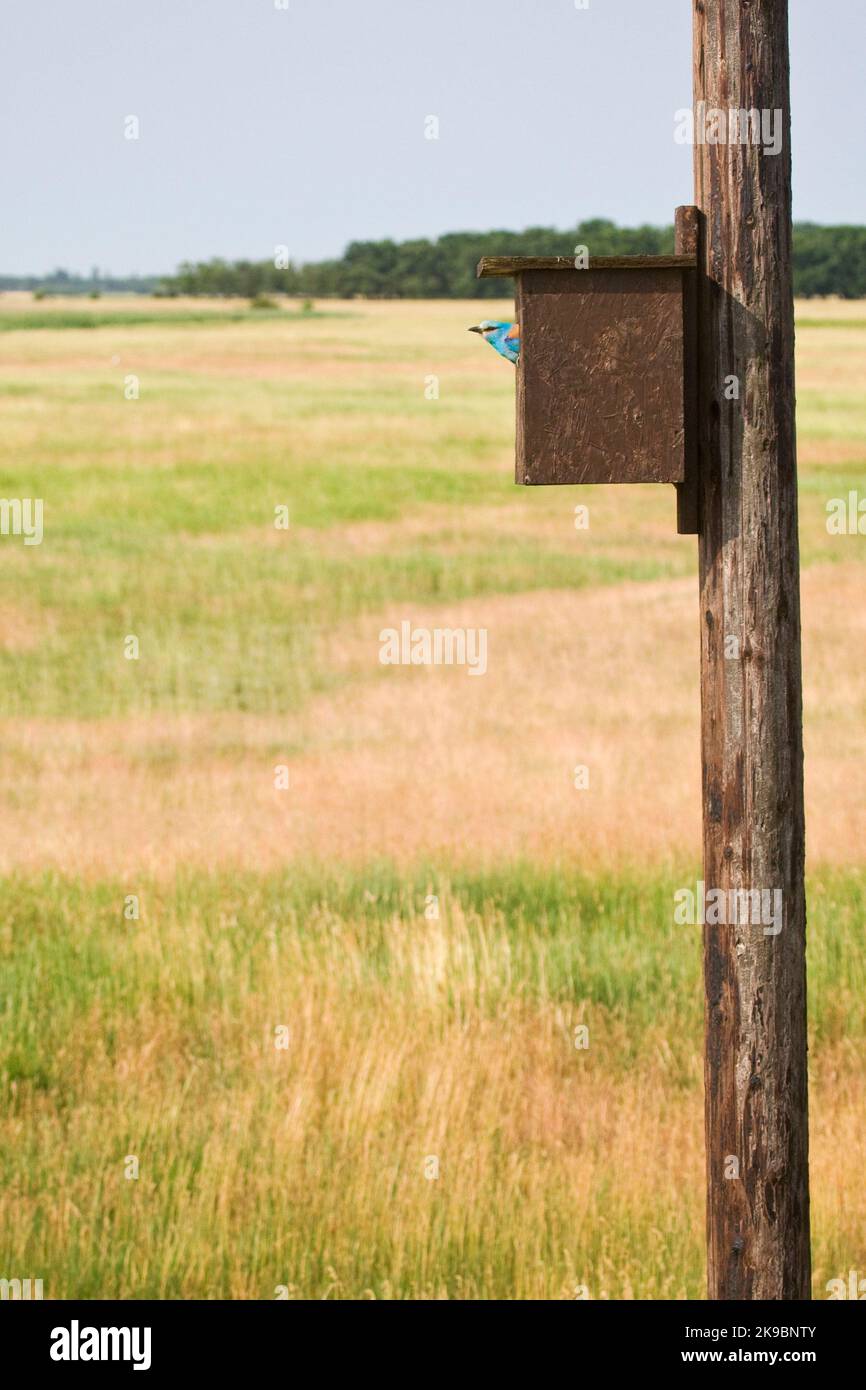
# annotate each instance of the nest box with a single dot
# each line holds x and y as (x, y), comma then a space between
(605, 380)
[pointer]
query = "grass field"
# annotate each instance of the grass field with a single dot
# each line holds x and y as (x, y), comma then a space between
(306, 1160)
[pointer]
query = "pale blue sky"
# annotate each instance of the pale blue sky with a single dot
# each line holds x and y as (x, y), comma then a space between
(262, 126)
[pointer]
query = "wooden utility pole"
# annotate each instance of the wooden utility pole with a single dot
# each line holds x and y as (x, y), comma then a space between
(752, 742)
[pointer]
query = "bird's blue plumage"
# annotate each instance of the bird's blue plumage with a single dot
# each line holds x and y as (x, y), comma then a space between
(505, 337)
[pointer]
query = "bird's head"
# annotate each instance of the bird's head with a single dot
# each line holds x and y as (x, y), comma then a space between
(486, 327)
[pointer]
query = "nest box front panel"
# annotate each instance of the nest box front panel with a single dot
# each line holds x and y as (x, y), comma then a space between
(600, 389)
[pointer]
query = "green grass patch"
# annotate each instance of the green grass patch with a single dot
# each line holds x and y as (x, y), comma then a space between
(153, 1040)
(28, 321)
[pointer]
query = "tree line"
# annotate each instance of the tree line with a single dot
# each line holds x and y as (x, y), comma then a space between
(63, 282)
(827, 261)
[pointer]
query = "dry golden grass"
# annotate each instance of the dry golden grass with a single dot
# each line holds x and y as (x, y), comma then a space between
(410, 763)
(305, 1167)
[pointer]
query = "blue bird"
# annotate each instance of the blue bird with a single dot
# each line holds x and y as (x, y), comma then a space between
(505, 337)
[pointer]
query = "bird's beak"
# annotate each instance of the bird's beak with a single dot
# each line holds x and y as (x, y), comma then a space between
(476, 329)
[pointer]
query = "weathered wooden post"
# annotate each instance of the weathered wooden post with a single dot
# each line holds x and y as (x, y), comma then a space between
(752, 740)
(680, 369)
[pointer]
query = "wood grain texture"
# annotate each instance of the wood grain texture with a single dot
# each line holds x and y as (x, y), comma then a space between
(600, 377)
(515, 265)
(755, 1068)
(687, 224)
